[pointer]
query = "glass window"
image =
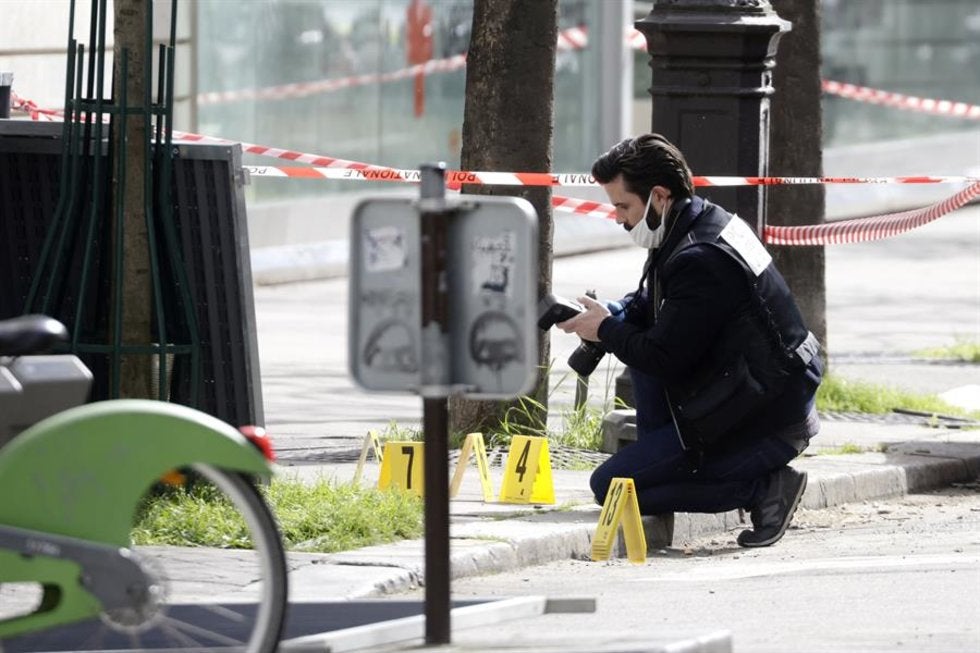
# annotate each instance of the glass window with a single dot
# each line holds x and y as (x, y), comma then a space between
(335, 77)
(926, 49)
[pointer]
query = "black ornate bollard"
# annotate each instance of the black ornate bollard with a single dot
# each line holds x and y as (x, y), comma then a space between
(6, 81)
(711, 63)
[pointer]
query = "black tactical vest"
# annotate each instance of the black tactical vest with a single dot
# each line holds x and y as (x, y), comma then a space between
(764, 343)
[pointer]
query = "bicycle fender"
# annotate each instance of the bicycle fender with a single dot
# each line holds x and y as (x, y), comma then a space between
(83, 471)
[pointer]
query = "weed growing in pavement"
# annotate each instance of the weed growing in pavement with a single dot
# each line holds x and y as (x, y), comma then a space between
(837, 394)
(581, 425)
(842, 450)
(395, 432)
(321, 516)
(964, 349)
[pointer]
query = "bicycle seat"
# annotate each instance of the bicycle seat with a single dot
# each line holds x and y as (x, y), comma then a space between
(30, 334)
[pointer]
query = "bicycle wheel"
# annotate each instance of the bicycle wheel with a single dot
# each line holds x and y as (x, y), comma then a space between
(198, 604)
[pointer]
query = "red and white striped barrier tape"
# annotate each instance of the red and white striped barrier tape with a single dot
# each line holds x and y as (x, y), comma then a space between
(17, 103)
(899, 101)
(637, 41)
(305, 89)
(321, 162)
(871, 228)
(568, 179)
(326, 167)
(583, 207)
(796, 181)
(833, 233)
(575, 38)
(845, 231)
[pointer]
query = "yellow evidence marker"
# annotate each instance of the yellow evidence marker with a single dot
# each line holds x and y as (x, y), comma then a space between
(620, 506)
(527, 476)
(403, 466)
(473, 444)
(371, 442)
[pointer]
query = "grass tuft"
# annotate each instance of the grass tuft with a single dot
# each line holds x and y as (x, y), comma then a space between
(315, 517)
(964, 350)
(837, 394)
(581, 426)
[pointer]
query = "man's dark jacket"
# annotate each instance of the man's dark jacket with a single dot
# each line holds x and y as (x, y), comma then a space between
(726, 339)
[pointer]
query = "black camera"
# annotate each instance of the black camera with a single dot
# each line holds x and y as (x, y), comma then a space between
(553, 309)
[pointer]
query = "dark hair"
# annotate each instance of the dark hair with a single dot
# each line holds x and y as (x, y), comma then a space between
(646, 161)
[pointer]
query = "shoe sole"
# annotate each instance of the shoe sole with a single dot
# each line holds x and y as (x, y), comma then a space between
(789, 517)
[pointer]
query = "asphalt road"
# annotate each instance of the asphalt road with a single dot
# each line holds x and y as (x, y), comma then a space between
(896, 575)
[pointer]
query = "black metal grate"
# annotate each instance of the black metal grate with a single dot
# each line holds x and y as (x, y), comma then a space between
(210, 220)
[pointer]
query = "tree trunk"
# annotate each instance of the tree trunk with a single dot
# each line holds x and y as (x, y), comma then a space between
(135, 278)
(507, 126)
(796, 149)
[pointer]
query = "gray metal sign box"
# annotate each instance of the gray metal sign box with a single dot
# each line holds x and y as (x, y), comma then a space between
(491, 278)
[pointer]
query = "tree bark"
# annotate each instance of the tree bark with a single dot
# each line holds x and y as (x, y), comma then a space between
(507, 126)
(796, 149)
(134, 276)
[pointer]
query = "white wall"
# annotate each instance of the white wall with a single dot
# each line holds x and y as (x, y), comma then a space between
(34, 41)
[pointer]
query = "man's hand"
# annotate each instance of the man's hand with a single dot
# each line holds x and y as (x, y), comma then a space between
(586, 324)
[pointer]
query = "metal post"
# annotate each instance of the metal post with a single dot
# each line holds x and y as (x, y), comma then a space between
(6, 81)
(435, 400)
(615, 91)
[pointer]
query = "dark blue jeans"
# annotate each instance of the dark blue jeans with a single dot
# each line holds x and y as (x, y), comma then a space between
(665, 477)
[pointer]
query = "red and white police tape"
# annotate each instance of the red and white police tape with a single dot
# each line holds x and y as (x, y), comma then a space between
(864, 229)
(899, 101)
(570, 179)
(575, 38)
(844, 231)
(319, 161)
(305, 89)
(17, 103)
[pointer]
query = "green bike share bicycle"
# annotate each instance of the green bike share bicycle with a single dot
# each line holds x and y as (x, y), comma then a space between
(71, 485)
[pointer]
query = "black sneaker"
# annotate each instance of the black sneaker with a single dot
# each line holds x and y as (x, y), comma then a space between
(774, 513)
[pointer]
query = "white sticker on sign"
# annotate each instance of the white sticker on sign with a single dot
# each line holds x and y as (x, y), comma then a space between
(741, 238)
(384, 249)
(493, 264)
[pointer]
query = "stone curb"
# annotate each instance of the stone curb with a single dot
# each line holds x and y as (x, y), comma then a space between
(487, 546)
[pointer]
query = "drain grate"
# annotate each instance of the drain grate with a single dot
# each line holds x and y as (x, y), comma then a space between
(900, 416)
(562, 457)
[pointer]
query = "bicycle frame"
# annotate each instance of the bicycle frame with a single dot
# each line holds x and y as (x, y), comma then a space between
(71, 485)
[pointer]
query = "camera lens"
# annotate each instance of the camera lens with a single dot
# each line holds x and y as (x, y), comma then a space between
(585, 358)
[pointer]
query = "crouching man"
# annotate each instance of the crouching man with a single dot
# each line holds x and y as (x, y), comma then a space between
(724, 370)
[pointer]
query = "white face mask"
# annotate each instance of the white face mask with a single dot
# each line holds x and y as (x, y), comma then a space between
(646, 237)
